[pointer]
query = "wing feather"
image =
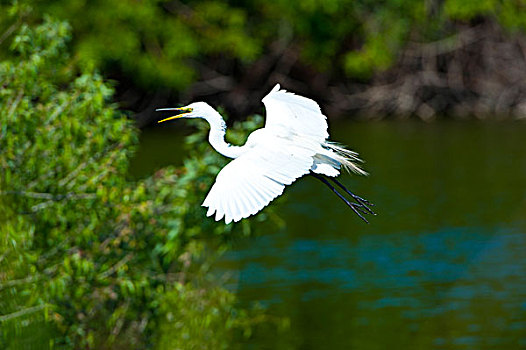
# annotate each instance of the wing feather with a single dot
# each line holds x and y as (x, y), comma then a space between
(219, 210)
(232, 206)
(288, 114)
(243, 198)
(250, 182)
(237, 205)
(294, 131)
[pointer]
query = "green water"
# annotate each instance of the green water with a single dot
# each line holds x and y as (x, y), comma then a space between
(442, 266)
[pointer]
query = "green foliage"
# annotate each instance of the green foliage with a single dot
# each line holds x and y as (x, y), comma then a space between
(154, 42)
(509, 13)
(165, 43)
(204, 319)
(87, 257)
(210, 313)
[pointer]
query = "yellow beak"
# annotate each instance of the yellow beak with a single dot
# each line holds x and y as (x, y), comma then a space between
(182, 109)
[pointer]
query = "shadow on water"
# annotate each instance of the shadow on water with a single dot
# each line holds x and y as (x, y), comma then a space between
(442, 265)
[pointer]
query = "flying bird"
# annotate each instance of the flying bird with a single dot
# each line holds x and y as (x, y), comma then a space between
(293, 143)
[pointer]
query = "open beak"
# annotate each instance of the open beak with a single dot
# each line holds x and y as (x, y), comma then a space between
(184, 110)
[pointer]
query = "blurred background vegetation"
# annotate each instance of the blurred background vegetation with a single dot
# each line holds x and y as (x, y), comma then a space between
(372, 58)
(93, 259)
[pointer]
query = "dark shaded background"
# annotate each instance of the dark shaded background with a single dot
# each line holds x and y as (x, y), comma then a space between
(367, 59)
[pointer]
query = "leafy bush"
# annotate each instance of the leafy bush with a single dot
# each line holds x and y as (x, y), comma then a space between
(89, 258)
(160, 44)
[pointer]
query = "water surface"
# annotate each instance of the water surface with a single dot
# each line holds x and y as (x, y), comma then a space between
(442, 266)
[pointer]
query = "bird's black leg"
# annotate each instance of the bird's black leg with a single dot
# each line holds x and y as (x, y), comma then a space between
(364, 202)
(357, 208)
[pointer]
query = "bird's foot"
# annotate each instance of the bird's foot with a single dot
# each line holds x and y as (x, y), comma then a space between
(363, 205)
(359, 209)
(362, 200)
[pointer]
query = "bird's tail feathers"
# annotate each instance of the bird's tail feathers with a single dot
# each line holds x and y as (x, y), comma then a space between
(347, 158)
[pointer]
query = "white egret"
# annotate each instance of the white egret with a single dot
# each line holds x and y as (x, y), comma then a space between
(293, 143)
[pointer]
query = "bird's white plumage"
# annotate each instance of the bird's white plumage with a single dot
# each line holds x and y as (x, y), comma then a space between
(253, 180)
(292, 143)
(292, 115)
(278, 154)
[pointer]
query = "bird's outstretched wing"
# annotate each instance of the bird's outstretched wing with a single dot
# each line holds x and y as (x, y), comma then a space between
(252, 181)
(294, 131)
(292, 115)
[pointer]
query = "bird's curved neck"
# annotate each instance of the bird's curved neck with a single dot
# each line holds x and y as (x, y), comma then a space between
(216, 137)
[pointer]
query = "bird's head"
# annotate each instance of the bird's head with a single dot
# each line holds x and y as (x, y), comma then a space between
(193, 110)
